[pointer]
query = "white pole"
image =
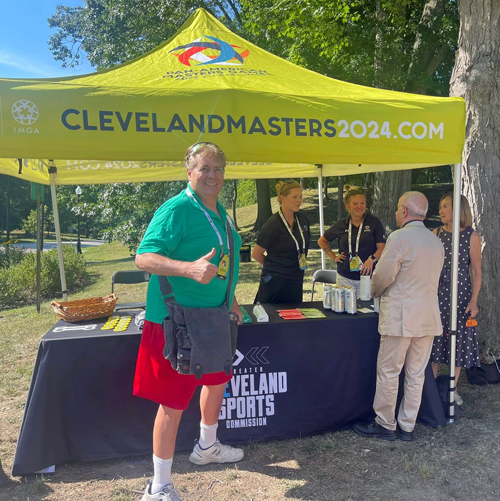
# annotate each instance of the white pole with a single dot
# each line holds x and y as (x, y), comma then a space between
(52, 173)
(455, 245)
(321, 215)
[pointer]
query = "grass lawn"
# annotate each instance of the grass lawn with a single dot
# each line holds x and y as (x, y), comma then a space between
(458, 462)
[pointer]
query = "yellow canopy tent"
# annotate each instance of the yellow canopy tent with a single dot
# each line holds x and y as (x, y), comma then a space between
(206, 83)
(271, 118)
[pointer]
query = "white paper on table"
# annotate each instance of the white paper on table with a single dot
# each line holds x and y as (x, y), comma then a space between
(365, 310)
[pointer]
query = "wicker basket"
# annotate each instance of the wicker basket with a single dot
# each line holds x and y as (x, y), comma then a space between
(85, 309)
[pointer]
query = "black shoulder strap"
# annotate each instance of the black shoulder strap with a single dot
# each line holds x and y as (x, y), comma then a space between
(166, 289)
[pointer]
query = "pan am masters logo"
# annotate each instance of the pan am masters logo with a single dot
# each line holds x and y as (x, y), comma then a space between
(200, 53)
(25, 112)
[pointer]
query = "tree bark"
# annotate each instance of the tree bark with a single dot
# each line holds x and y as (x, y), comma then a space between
(233, 202)
(388, 188)
(264, 211)
(476, 78)
(340, 198)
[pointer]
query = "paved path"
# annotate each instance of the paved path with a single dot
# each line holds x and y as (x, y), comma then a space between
(31, 246)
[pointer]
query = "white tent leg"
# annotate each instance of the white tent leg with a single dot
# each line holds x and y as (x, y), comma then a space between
(457, 190)
(52, 171)
(321, 215)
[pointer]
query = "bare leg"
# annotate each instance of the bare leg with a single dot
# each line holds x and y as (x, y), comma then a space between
(457, 376)
(435, 369)
(211, 402)
(165, 431)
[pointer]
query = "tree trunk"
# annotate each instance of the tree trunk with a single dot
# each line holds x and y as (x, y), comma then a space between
(476, 78)
(340, 198)
(264, 211)
(233, 202)
(428, 50)
(388, 187)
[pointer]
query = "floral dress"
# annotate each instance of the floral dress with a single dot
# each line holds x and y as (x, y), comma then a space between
(467, 337)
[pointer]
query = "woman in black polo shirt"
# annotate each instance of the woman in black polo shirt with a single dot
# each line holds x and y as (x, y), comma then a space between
(365, 247)
(285, 240)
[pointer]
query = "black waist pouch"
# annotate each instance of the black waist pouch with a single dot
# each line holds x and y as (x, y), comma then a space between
(200, 340)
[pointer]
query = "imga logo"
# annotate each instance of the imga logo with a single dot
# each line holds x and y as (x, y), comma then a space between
(26, 113)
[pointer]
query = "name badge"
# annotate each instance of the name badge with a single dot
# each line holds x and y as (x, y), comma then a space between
(355, 263)
(223, 267)
(302, 261)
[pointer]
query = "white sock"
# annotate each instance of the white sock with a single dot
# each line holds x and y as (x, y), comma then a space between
(208, 435)
(162, 473)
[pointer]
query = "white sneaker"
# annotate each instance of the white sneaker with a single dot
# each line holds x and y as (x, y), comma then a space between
(217, 453)
(168, 493)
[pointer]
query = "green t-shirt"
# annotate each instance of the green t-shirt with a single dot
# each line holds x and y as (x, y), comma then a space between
(180, 230)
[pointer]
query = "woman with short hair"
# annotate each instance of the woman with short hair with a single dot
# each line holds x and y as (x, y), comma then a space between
(282, 247)
(469, 285)
(361, 240)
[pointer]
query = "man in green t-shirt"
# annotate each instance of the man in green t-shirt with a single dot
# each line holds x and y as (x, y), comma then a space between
(187, 241)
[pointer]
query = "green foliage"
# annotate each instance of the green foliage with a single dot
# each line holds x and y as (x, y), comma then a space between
(9, 255)
(19, 279)
(127, 209)
(362, 41)
(110, 32)
(247, 193)
(18, 191)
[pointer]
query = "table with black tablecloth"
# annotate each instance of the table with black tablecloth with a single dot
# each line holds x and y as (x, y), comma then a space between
(291, 379)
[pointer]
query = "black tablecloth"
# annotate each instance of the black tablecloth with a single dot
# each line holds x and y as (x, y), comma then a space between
(291, 379)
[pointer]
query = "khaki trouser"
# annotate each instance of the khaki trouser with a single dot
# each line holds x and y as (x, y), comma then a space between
(394, 352)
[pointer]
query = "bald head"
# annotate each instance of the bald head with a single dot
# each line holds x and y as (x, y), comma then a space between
(412, 205)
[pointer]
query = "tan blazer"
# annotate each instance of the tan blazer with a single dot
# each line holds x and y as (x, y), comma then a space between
(407, 279)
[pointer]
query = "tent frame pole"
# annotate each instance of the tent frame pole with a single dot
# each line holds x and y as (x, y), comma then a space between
(52, 174)
(455, 245)
(321, 213)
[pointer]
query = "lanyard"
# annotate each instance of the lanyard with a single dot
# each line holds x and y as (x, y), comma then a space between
(285, 222)
(360, 230)
(207, 215)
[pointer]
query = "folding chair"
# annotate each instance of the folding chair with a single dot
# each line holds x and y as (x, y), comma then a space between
(325, 277)
(129, 277)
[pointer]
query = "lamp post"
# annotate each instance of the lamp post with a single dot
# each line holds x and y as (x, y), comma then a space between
(78, 192)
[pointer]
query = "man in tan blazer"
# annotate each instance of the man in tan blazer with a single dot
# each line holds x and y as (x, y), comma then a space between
(406, 279)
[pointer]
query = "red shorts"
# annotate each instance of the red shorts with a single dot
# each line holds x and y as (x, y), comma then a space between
(157, 381)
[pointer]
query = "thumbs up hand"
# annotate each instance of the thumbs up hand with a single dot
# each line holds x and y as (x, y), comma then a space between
(202, 270)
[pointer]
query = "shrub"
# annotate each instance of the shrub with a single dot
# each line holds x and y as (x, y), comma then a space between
(9, 255)
(18, 282)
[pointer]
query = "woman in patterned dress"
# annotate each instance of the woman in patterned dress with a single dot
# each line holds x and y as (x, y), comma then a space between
(469, 267)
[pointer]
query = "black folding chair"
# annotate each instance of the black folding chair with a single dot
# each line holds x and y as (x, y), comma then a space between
(129, 277)
(325, 277)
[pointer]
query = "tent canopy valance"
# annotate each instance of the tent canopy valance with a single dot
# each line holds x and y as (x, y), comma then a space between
(271, 118)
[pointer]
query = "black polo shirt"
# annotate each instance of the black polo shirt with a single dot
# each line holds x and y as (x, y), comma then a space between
(282, 261)
(373, 234)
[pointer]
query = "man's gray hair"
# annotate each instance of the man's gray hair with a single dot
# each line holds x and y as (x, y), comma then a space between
(416, 203)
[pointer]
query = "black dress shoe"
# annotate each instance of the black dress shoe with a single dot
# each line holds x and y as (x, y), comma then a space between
(373, 429)
(407, 436)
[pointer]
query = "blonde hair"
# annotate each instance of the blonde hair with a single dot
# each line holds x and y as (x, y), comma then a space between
(352, 191)
(465, 211)
(283, 188)
(198, 149)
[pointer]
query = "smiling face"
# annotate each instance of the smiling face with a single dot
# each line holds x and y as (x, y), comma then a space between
(292, 201)
(356, 206)
(446, 211)
(207, 176)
